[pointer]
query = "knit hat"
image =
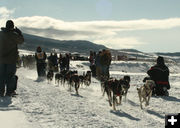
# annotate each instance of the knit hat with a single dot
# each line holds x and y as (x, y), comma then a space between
(9, 24)
(160, 60)
(39, 49)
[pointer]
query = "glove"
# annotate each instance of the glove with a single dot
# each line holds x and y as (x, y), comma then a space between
(18, 31)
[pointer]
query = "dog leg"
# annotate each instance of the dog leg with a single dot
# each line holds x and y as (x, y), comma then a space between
(77, 87)
(69, 87)
(146, 101)
(149, 97)
(140, 98)
(103, 93)
(103, 89)
(58, 82)
(125, 96)
(120, 99)
(141, 102)
(61, 81)
(89, 83)
(109, 97)
(114, 102)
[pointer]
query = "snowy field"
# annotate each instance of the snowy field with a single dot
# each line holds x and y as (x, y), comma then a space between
(43, 105)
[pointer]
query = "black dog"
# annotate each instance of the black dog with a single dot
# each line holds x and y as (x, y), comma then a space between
(58, 77)
(116, 88)
(50, 75)
(126, 80)
(87, 78)
(112, 89)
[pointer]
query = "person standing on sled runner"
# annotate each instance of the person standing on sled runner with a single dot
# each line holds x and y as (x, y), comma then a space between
(98, 65)
(40, 57)
(105, 61)
(160, 74)
(92, 58)
(10, 37)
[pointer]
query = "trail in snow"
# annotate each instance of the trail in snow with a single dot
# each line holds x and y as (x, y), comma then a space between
(51, 106)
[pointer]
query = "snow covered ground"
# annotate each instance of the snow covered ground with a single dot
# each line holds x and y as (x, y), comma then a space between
(43, 105)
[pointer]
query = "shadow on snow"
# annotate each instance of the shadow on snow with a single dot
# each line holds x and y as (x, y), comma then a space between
(123, 114)
(5, 104)
(170, 98)
(77, 95)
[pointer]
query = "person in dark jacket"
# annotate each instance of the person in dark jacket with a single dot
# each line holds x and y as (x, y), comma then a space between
(55, 59)
(10, 37)
(63, 63)
(40, 57)
(105, 61)
(50, 62)
(92, 58)
(98, 65)
(160, 74)
(67, 61)
(55, 62)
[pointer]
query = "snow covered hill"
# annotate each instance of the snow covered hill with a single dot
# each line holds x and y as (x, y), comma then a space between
(43, 105)
(49, 44)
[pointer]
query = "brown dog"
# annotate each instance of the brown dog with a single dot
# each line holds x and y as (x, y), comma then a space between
(145, 92)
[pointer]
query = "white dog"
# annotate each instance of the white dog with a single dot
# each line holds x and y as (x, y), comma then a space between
(145, 92)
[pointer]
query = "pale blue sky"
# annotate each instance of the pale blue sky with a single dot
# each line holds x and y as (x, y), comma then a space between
(155, 39)
(87, 9)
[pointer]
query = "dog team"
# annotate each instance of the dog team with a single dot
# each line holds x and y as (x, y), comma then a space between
(157, 84)
(71, 78)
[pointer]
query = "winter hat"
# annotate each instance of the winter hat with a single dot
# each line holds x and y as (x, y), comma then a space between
(39, 49)
(160, 60)
(9, 24)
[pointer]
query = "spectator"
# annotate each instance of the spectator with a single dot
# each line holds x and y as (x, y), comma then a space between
(10, 37)
(50, 62)
(55, 62)
(67, 61)
(160, 74)
(98, 65)
(92, 63)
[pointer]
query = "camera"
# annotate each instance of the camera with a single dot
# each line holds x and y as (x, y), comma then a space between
(18, 31)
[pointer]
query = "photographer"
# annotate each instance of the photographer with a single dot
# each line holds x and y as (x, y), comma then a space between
(10, 37)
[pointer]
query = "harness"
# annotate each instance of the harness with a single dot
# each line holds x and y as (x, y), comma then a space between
(162, 82)
(40, 55)
(118, 94)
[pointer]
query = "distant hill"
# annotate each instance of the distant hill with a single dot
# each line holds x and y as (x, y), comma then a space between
(169, 54)
(132, 53)
(80, 46)
(130, 50)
